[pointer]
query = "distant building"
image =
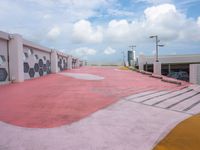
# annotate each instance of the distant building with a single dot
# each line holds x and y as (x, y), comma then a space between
(173, 63)
(131, 58)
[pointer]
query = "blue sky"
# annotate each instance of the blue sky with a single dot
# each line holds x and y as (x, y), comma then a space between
(99, 30)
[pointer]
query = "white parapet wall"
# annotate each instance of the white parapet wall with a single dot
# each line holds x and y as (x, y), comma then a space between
(63, 61)
(21, 59)
(36, 60)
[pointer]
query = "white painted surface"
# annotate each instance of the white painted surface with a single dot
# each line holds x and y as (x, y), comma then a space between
(83, 76)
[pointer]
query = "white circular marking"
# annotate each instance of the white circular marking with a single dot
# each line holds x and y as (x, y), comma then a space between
(83, 76)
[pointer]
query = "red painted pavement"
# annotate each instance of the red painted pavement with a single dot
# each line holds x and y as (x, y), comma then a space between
(56, 100)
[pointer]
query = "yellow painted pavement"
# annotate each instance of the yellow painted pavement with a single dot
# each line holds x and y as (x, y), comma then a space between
(185, 136)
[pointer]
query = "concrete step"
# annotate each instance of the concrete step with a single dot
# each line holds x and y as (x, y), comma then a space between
(139, 95)
(187, 104)
(195, 109)
(163, 98)
(156, 76)
(174, 101)
(143, 98)
(171, 80)
(145, 72)
(195, 87)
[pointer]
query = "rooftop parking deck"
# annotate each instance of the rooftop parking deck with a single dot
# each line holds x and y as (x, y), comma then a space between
(57, 99)
(92, 108)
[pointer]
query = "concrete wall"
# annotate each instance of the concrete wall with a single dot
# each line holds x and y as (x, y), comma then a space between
(22, 60)
(62, 61)
(36, 62)
(4, 71)
(75, 62)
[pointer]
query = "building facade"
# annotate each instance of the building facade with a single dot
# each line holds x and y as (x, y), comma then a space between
(173, 63)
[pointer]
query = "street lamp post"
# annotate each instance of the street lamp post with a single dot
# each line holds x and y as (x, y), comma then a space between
(123, 57)
(157, 45)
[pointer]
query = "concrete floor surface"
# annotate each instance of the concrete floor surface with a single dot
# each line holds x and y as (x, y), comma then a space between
(58, 112)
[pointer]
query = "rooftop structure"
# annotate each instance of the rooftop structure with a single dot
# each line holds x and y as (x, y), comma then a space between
(187, 63)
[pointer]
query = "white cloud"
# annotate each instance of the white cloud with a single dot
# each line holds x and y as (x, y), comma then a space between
(73, 10)
(109, 51)
(118, 30)
(47, 16)
(72, 3)
(71, 17)
(163, 20)
(198, 21)
(54, 33)
(83, 32)
(154, 2)
(116, 12)
(84, 51)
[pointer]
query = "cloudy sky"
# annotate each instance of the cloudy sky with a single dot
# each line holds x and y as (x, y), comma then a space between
(99, 30)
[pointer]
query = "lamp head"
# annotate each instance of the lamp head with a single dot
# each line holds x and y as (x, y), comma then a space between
(153, 36)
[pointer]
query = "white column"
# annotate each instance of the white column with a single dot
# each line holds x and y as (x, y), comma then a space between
(141, 62)
(77, 63)
(69, 62)
(54, 61)
(141, 66)
(16, 58)
(195, 73)
(157, 68)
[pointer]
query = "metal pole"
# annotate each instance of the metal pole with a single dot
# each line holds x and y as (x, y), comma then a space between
(157, 48)
(157, 45)
(123, 57)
